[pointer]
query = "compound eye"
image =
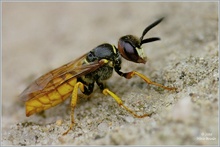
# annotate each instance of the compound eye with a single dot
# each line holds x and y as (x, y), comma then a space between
(130, 51)
(127, 50)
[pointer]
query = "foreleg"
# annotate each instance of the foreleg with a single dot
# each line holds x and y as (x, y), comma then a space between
(129, 75)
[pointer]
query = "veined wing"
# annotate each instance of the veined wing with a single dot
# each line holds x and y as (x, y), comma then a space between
(56, 77)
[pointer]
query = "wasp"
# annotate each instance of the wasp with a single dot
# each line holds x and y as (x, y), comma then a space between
(96, 66)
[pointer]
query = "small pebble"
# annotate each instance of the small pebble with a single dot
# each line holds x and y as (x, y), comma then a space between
(129, 119)
(59, 122)
(103, 126)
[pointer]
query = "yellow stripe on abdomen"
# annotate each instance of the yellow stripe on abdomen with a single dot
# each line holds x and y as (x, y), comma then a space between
(50, 99)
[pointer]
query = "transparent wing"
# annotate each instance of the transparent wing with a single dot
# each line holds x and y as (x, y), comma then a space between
(56, 77)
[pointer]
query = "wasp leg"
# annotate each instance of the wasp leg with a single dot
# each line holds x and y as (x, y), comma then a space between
(106, 91)
(89, 89)
(73, 103)
(129, 75)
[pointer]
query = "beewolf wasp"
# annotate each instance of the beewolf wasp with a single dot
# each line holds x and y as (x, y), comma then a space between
(95, 66)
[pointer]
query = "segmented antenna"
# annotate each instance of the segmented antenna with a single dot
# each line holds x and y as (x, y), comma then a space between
(149, 28)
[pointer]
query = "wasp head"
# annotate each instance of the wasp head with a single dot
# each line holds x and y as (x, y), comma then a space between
(129, 46)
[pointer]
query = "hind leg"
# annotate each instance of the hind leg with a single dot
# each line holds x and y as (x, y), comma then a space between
(106, 91)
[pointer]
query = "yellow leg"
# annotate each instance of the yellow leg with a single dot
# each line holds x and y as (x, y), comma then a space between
(119, 101)
(131, 74)
(73, 103)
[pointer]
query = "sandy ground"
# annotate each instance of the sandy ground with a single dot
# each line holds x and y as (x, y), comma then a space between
(38, 37)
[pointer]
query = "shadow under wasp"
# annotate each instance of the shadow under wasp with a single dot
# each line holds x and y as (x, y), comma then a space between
(95, 66)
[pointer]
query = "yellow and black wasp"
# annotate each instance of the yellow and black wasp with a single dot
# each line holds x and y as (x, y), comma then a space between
(93, 67)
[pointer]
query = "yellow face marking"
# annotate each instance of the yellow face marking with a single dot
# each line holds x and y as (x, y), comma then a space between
(141, 53)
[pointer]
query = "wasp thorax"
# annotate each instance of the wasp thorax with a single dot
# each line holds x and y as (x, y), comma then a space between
(129, 47)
